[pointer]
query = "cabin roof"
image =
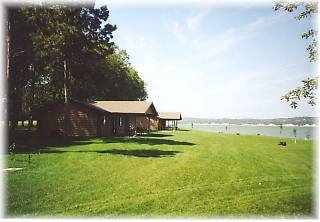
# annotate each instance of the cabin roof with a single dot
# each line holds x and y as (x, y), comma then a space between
(51, 105)
(170, 115)
(132, 107)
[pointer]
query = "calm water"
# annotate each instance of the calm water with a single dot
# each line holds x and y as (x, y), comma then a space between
(303, 132)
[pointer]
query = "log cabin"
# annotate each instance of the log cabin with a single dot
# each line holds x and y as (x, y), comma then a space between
(96, 119)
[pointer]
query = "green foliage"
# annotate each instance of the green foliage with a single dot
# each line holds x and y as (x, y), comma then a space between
(308, 9)
(112, 78)
(168, 174)
(43, 39)
(309, 88)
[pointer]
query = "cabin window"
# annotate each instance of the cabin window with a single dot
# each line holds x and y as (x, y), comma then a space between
(120, 121)
(104, 120)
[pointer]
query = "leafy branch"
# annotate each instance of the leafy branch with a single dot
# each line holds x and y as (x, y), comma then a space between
(309, 88)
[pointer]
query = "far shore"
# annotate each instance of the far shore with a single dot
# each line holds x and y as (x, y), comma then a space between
(248, 124)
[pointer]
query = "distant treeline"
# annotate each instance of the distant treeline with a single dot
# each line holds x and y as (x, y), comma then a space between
(300, 121)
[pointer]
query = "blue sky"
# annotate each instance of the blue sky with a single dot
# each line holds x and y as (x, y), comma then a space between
(215, 60)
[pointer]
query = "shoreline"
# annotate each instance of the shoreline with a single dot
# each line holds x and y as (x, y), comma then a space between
(248, 124)
(251, 134)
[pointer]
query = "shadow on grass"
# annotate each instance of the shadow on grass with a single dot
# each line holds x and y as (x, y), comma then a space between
(142, 153)
(44, 145)
(145, 140)
(35, 146)
(156, 135)
(32, 143)
(137, 153)
(30, 140)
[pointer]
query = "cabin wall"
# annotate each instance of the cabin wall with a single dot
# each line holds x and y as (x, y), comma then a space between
(129, 125)
(154, 123)
(81, 122)
(107, 126)
(142, 123)
(123, 129)
(50, 122)
(132, 125)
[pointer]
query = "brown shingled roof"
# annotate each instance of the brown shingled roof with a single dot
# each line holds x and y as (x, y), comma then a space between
(132, 107)
(170, 115)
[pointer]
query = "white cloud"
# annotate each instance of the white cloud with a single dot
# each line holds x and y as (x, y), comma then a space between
(263, 79)
(256, 24)
(194, 22)
(216, 44)
(224, 41)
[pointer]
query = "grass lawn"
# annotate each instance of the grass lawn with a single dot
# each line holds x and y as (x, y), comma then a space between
(167, 174)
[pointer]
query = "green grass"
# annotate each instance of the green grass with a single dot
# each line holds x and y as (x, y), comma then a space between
(168, 174)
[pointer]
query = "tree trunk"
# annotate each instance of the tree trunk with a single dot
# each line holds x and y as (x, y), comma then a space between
(30, 119)
(8, 48)
(13, 91)
(66, 86)
(14, 102)
(7, 109)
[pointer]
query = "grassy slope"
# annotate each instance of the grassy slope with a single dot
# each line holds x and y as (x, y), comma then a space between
(173, 174)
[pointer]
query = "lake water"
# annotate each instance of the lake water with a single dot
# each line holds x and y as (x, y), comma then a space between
(303, 132)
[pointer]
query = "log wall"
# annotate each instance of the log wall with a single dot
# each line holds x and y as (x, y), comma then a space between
(81, 122)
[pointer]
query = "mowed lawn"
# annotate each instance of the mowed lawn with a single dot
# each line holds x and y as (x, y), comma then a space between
(166, 174)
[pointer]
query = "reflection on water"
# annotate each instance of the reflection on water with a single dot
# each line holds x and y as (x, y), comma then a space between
(302, 132)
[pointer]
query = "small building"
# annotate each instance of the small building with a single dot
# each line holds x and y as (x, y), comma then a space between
(96, 119)
(168, 120)
(128, 117)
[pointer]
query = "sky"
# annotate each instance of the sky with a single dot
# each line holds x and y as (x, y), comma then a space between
(215, 60)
